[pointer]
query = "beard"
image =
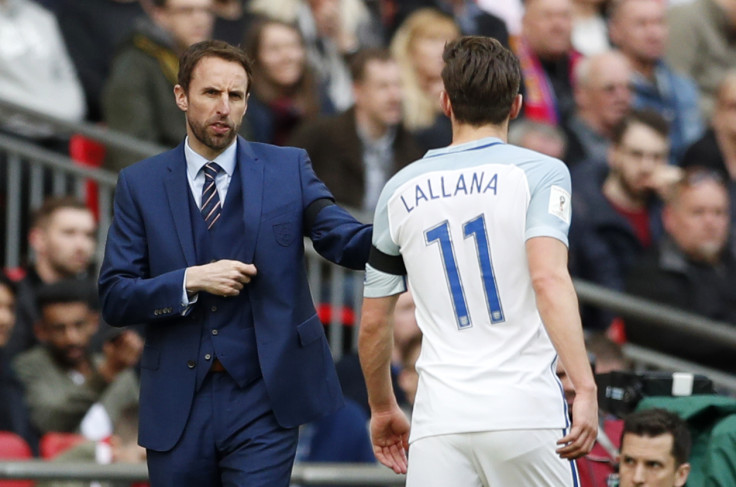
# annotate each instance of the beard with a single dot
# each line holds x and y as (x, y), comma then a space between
(213, 141)
(68, 357)
(642, 195)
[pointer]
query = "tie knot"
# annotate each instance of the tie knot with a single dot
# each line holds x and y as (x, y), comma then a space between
(211, 169)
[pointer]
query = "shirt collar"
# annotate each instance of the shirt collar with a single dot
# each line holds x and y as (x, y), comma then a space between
(195, 162)
(475, 144)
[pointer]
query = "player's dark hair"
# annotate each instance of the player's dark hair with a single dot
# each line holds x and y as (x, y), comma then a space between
(481, 78)
(656, 422)
(211, 48)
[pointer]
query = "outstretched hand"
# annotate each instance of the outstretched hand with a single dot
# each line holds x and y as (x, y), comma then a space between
(584, 429)
(390, 438)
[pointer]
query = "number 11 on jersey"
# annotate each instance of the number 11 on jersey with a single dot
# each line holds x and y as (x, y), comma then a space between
(476, 228)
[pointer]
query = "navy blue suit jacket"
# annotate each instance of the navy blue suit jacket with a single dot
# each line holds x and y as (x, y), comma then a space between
(150, 243)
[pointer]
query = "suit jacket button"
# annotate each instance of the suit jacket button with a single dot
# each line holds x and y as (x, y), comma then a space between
(215, 332)
(207, 356)
(191, 364)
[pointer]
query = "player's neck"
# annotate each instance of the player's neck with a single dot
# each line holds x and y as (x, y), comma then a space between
(463, 133)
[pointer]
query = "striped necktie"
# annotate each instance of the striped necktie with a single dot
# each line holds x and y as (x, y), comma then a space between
(211, 208)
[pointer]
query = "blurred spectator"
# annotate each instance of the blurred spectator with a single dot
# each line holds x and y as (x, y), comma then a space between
(92, 30)
(547, 60)
(13, 413)
(702, 44)
(692, 268)
(716, 149)
(121, 447)
(232, 19)
(138, 98)
(602, 100)
(639, 29)
(66, 388)
(408, 378)
(35, 70)
(63, 239)
(404, 329)
(617, 207)
(589, 29)
(510, 11)
(538, 136)
(284, 91)
(333, 30)
(417, 46)
(340, 437)
(472, 20)
(655, 449)
(607, 354)
(357, 151)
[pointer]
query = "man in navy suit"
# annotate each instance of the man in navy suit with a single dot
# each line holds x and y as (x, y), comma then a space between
(235, 356)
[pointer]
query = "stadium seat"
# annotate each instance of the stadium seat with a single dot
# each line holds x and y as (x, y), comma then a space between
(88, 153)
(54, 443)
(14, 447)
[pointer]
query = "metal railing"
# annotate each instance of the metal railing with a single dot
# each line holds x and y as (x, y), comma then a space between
(302, 474)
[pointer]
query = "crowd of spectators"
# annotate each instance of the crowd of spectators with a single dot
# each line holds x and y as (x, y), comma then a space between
(637, 97)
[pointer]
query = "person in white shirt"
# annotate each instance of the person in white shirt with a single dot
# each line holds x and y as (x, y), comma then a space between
(479, 229)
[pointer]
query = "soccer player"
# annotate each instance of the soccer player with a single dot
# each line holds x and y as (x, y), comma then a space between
(479, 230)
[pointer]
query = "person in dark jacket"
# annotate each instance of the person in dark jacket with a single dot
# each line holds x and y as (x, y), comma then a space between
(692, 269)
(617, 206)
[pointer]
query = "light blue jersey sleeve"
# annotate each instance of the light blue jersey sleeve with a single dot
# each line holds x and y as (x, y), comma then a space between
(385, 274)
(550, 208)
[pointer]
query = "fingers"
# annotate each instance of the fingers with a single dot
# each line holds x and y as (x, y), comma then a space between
(577, 443)
(223, 277)
(392, 456)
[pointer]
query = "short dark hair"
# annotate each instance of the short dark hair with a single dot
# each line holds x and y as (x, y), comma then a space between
(67, 291)
(211, 48)
(52, 204)
(482, 78)
(360, 60)
(650, 118)
(656, 422)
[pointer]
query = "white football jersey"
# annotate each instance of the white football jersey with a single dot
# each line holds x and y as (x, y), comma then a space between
(459, 219)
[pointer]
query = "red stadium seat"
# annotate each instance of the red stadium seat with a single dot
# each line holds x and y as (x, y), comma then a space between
(14, 447)
(88, 153)
(54, 443)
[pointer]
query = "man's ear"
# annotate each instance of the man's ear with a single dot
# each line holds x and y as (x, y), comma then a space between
(181, 98)
(516, 107)
(36, 238)
(446, 104)
(681, 474)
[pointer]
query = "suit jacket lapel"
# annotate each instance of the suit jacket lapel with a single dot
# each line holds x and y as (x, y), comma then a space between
(177, 192)
(251, 173)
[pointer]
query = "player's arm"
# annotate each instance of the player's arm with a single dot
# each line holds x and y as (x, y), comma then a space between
(389, 426)
(558, 308)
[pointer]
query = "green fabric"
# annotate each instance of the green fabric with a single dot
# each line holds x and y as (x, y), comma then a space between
(712, 422)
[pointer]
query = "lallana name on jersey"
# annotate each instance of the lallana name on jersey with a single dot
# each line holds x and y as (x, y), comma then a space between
(448, 187)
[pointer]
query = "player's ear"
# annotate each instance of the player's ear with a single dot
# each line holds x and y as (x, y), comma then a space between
(446, 104)
(516, 107)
